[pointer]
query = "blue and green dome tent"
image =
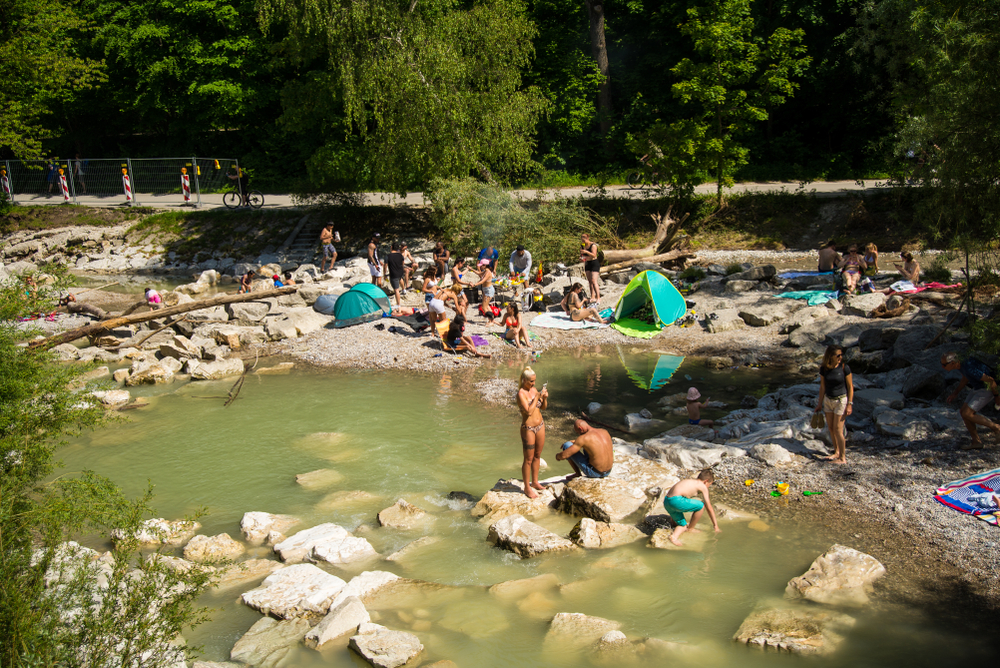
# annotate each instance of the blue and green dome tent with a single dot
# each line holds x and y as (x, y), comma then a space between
(362, 303)
(648, 287)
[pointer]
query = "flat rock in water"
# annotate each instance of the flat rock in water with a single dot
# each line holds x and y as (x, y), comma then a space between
(576, 630)
(268, 642)
(690, 542)
(213, 548)
(795, 630)
(409, 593)
(725, 320)
(342, 619)
(508, 498)
(513, 590)
(601, 535)
(159, 531)
(602, 499)
(402, 515)
(319, 478)
(256, 525)
(295, 591)
(331, 537)
(245, 571)
(840, 576)
(112, 398)
(215, 370)
(365, 584)
(411, 547)
(282, 368)
(525, 538)
(384, 648)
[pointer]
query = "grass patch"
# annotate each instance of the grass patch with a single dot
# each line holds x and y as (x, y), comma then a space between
(34, 218)
(692, 274)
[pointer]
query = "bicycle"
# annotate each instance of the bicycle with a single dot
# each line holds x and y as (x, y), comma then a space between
(232, 200)
(640, 178)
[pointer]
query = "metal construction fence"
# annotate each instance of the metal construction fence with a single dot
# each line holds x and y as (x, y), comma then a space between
(118, 181)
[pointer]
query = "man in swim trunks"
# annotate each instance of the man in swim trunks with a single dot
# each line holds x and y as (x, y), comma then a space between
(329, 252)
(679, 501)
(828, 256)
(591, 454)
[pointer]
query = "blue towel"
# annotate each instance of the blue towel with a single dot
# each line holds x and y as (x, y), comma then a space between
(812, 297)
(799, 274)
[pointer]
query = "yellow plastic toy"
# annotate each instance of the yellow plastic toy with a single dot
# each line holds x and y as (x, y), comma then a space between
(749, 483)
(782, 488)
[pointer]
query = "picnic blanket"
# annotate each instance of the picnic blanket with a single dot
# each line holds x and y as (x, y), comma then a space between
(799, 274)
(812, 297)
(417, 323)
(639, 329)
(906, 287)
(561, 321)
(975, 495)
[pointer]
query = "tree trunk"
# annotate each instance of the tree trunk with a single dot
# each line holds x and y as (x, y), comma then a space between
(666, 232)
(599, 50)
(101, 327)
(663, 257)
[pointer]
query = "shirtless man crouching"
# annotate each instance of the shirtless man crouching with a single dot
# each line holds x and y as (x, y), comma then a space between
(591, 454)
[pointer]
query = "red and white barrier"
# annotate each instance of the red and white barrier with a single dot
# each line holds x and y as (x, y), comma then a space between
(5, 184)
(127, 185)
(63, 186)
(186, 188)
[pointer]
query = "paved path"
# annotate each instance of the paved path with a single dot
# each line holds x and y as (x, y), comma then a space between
(276, 201)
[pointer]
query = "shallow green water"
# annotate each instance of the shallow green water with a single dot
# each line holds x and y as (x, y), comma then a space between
(417, 437)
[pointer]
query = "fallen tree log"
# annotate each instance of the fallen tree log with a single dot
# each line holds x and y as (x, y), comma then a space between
(99, 328)
(664, 257)
(666, 232)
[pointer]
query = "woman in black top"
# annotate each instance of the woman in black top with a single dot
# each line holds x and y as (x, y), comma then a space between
(591, 266)
(836, 399)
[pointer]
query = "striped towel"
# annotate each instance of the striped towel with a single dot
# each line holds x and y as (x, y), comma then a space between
(976, 495)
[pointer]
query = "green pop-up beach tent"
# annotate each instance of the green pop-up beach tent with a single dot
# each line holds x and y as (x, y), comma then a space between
(648, 287)
(357, 305)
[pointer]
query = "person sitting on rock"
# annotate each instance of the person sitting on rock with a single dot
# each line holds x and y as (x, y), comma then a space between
(978, 377)
(153, 298)
(246, 282)
(680, 499)
(592, 454)
(694, 408)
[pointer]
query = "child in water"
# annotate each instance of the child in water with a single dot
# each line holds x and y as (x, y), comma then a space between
(679, 500)
(694, 408)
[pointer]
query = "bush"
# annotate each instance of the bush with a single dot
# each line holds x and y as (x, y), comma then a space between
(733, 269)
(692, 274)
(470, 215)
(939, 271)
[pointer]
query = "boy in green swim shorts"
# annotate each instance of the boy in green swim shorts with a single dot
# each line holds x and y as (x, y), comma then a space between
(679, 500)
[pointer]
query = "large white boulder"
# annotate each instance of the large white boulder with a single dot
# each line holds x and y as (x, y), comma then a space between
(326, 542)
(256, 525)
(525, 538)
(268, 642)
(840, 576)
(342, 619)
(295, 591)
(795, 630)
(215, 370)
(384, 648)
(213, 548)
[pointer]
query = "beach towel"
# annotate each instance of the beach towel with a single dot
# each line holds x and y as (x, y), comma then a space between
(639, 329)
(812, 297)
(561, 321)
(799, 274)
(417, 323)
(905, 287)
(975, 495)
(478, 340)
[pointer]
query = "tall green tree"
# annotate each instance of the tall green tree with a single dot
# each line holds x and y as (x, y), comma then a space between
(410, 90)
(731, 83)
(40, 65)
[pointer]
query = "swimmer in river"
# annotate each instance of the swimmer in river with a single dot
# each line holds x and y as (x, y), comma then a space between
(680, 499)
(531, 402)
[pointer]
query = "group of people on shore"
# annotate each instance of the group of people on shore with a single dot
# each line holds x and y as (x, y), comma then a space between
(856, 267)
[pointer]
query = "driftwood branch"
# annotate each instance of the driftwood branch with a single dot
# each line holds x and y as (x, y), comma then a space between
(667, 229)
(665, 257)
(99, 328)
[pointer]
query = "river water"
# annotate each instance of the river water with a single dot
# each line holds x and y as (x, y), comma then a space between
(399, 435)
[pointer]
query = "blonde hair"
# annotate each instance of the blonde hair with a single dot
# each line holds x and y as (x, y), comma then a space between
(527, 373)
(871, 248)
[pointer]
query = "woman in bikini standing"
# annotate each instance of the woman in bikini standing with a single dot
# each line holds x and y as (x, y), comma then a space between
(531, 402)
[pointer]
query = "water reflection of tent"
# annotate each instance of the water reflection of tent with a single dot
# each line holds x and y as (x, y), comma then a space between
(651, 372)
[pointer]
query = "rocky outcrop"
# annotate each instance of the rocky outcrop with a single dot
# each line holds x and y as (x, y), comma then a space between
(725, 320)
(384, 648)
(159, 531)
(402, 515)
(325, 542)
(295, 591)
(633, 481)
(507, 498)
(840, 576)
(213, 548)
(525, 538)
(256, 525)
(215, 370)
(342, 619)
(268, 642)
(796, 630)
(602, 535)
(771, 454)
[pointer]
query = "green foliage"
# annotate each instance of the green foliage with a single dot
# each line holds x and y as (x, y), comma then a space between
(734, 269)
(428, 90)
(59, 606)
(734, 79)
(471, 215)
(693, 274)
(40, 66)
